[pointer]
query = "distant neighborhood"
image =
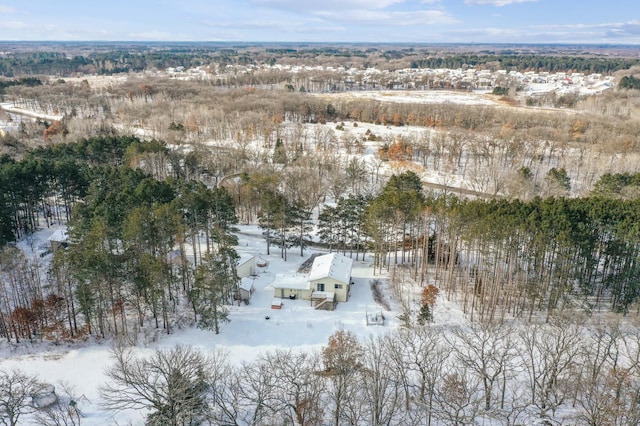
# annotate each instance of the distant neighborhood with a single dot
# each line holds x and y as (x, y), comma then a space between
(332, 79)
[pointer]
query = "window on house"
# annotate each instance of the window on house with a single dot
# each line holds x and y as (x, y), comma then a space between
(320, 286)
(338, 286)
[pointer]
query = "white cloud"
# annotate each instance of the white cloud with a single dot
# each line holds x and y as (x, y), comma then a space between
(325, 5)
(482, 34)
(5, 10)
(631, 28)
(13, 25)
(605, 30)
(355, 12)
(498, 3)
(391, 18)
(620, 32)
(158, 36)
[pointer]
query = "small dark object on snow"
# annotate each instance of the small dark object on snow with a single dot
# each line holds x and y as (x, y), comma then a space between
(267, 317)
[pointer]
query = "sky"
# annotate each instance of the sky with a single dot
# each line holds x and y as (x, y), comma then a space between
(375, 21)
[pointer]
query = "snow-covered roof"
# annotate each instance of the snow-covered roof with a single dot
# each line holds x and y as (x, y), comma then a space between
(244, 258)
(293, 282)
(246, 284)
(59, 236)
(331, 265)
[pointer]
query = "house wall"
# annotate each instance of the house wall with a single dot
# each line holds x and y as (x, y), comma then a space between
(244, 294)
(285, 293)
(342, 294)
(57, 245)
(247, 269)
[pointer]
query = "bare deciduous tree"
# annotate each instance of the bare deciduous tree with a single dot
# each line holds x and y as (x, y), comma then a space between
(458, 397)
(486, 350)
(383, 399)
(342, 362)
(176, 385)
(16, 390)
(256, 382)
(299, 386)
(551, 357)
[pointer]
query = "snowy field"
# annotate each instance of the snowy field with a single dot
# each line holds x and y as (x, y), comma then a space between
(421, 97)
(297, 325)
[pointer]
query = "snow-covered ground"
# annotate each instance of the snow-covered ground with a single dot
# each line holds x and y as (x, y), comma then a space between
(11, 108)
(421, 97)
(98, 81)
(297, 325)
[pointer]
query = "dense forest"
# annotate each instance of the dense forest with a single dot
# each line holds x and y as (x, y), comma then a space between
(127, 259)
(130, 232)
(113, 62)
(523, 248)
(24, 81)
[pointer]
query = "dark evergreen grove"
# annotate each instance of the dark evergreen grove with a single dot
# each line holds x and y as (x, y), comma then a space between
(544, 255)
(502, 256)
(629, 82)
(126, 265)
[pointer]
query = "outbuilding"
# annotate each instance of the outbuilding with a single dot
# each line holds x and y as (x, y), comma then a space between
(246, 266)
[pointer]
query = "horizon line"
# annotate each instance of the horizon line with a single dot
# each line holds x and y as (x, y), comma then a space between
(401, 43)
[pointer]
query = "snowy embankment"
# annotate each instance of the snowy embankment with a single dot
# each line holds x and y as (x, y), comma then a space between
(12, 109)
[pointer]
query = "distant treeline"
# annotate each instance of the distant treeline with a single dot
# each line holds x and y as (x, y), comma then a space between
(57, 63)
(629, 82)
(127, 60)
(530, 62)
(26, 81)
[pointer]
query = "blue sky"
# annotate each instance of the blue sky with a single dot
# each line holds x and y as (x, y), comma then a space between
(414, 21)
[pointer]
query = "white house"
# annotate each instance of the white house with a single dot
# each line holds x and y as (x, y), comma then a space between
(328, 282)
(331, 273)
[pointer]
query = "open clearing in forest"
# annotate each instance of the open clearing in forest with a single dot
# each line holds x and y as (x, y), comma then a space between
(248, 335)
